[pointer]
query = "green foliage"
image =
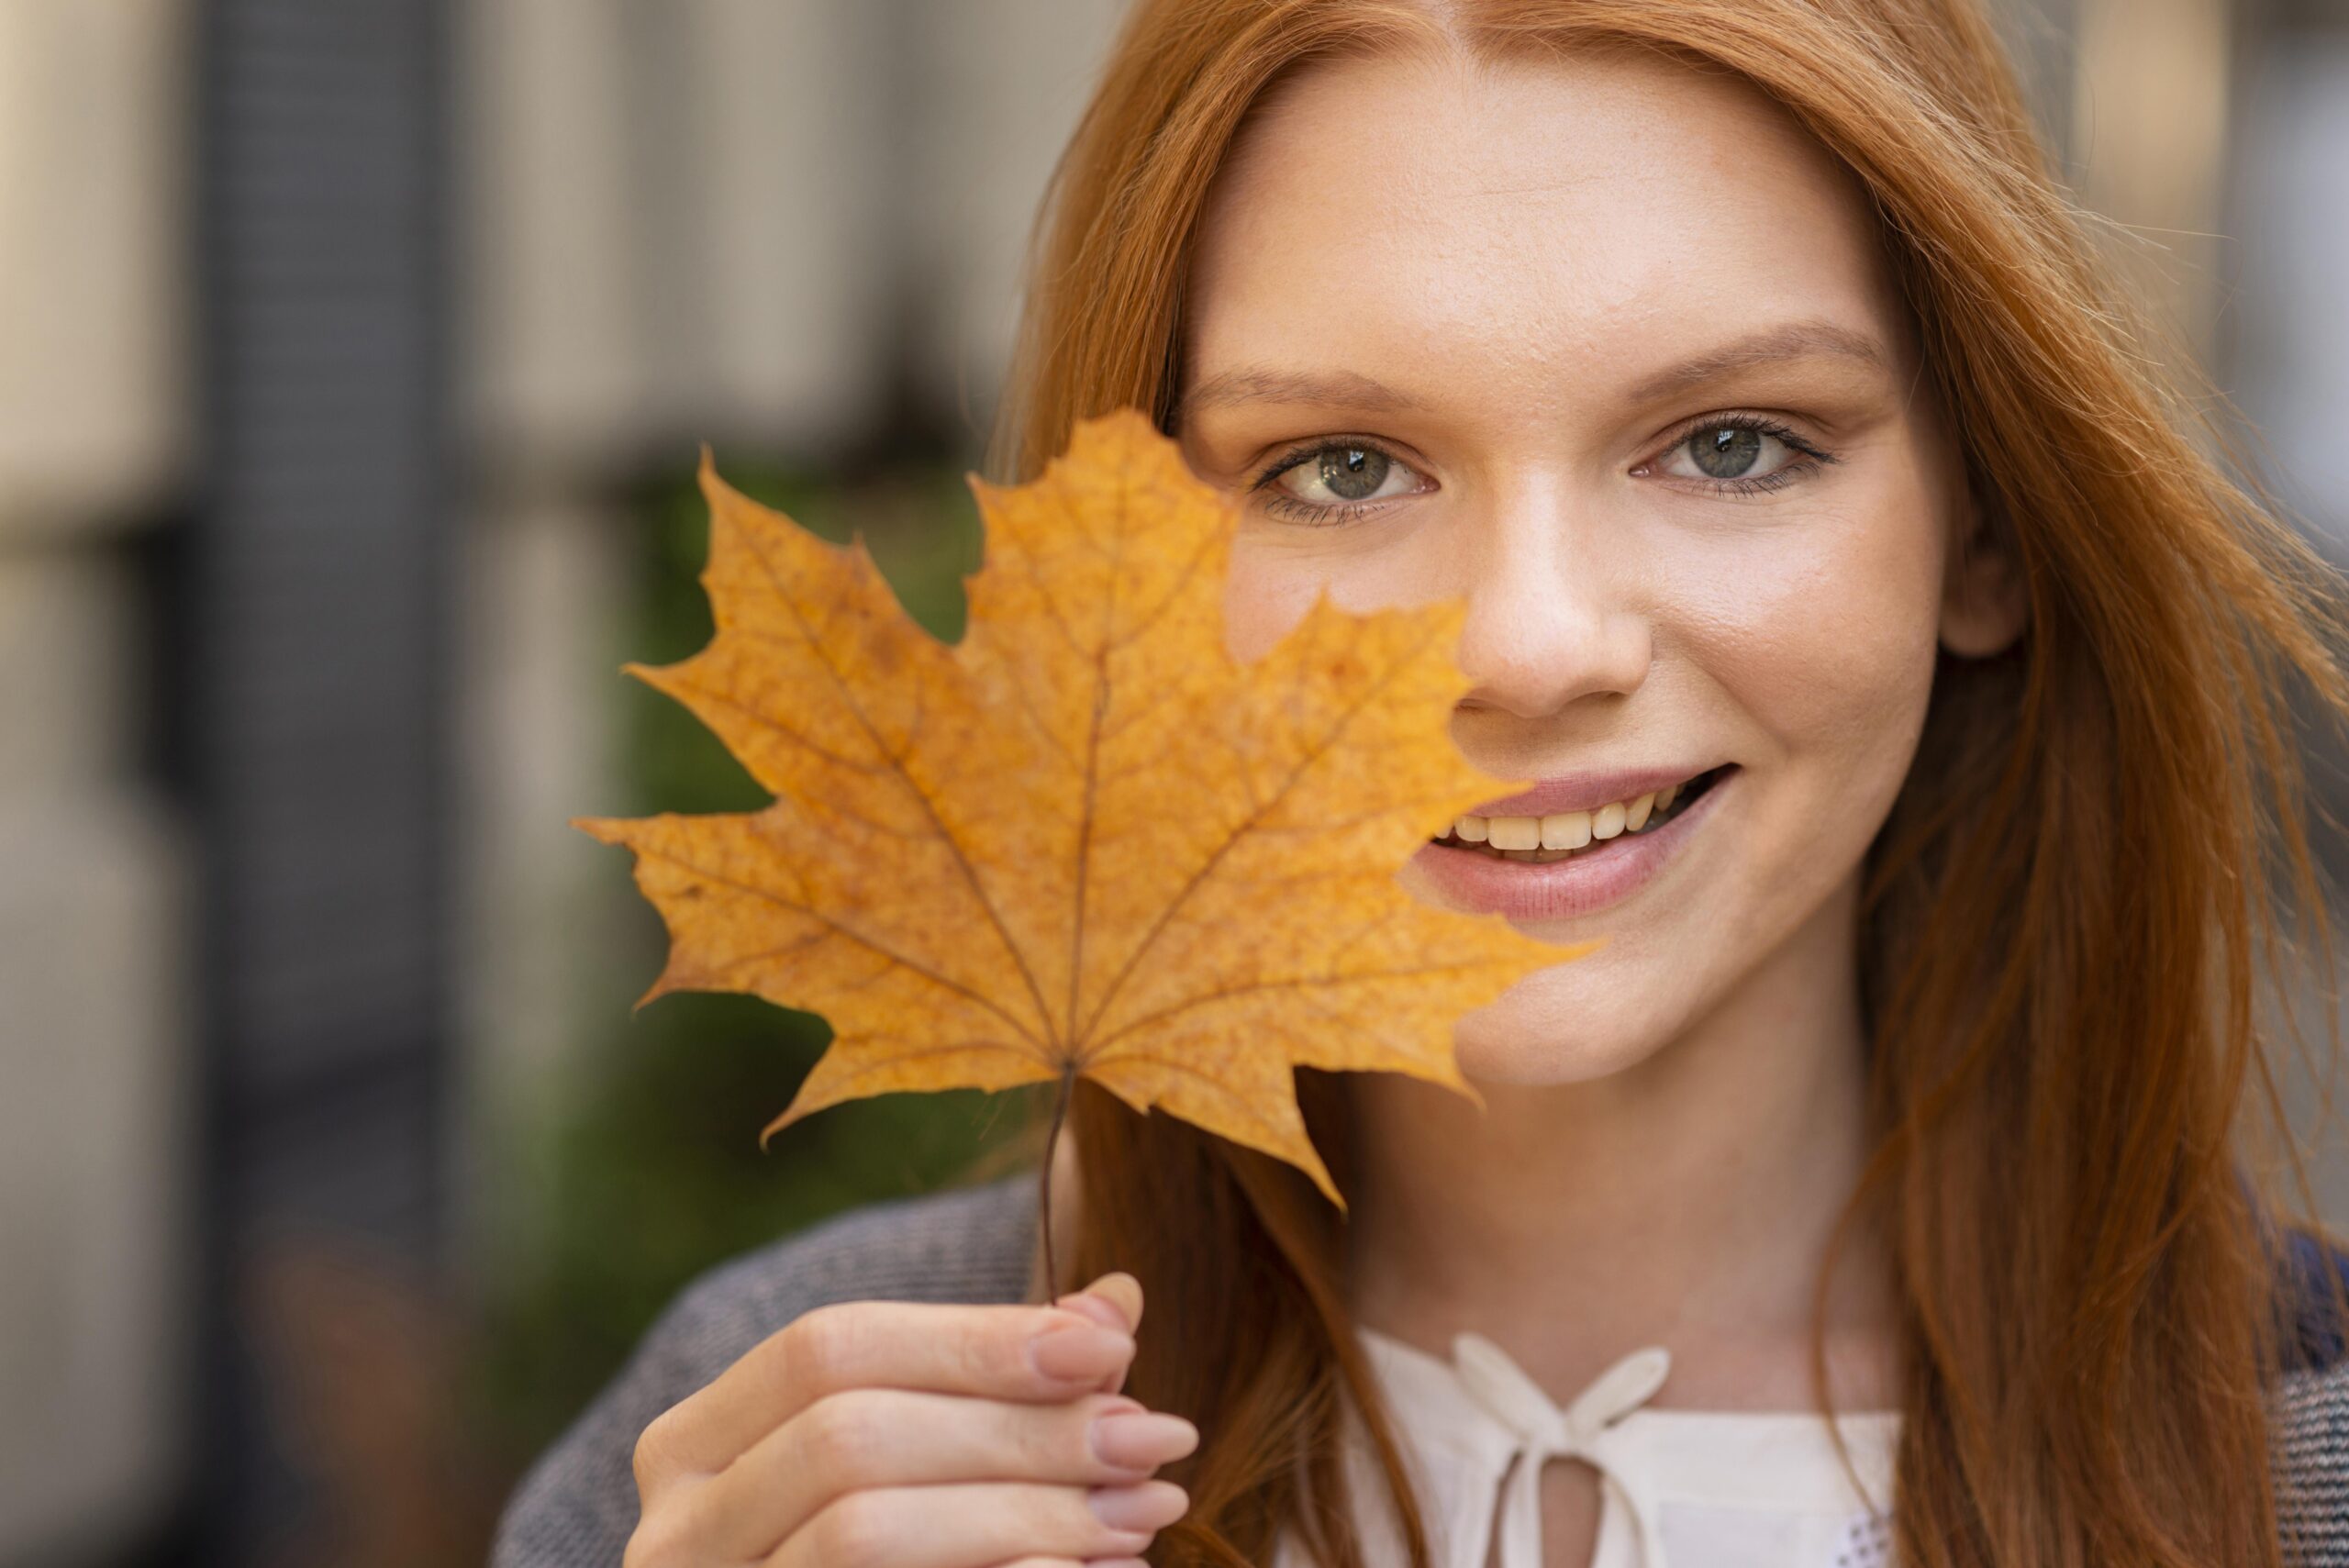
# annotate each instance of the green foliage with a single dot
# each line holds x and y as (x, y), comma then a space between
(654, 1172)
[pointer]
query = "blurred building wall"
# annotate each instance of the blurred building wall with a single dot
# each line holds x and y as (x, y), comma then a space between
(2151, 105)
(96, 428)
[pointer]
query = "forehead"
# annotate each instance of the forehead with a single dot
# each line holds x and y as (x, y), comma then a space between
(1588, 215)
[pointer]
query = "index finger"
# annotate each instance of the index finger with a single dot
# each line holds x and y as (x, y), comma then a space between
(1021, 1353)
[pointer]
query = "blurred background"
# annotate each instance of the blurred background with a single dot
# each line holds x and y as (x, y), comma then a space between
(354, 357)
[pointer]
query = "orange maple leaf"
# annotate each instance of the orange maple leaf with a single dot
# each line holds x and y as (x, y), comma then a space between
(1085, 840)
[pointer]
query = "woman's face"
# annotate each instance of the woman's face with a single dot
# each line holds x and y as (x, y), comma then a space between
(1605, 349)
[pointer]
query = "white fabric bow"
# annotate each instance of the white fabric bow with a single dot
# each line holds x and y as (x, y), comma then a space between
(1543, 1432)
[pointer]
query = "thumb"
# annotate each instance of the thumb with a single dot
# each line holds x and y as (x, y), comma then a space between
(1114, 1301)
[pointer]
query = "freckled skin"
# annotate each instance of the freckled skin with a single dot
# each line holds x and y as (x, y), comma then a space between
(1514, 247)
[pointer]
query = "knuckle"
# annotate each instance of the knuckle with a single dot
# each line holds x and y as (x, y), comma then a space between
(1043, 1512)
(991, 1350)
(852, 1531)
(973, 1353)
(654, 1544)
(655, 1455)
(1058, 1441)
(1058, 1515)
(844, 1438)
(1032, 1441)
(817, 1344)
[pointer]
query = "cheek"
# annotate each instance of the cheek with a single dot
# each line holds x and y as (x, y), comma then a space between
(1276, 573)
(1821, 636)
(1263, 598)
(1823, 649)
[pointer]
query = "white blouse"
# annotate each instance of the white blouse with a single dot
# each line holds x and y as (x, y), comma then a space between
(1678, 1488)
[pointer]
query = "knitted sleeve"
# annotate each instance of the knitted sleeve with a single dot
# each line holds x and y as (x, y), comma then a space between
(2312, 1466)
(577, 1506)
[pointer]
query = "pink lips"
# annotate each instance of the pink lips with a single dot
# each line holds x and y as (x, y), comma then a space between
(1604, 874)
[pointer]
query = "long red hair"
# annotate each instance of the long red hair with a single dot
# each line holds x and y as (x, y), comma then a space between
(2066, 914)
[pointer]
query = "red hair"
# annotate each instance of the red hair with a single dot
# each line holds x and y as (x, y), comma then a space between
(2065, 913)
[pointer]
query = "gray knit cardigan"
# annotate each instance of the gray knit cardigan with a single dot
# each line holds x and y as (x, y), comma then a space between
(577, 1507)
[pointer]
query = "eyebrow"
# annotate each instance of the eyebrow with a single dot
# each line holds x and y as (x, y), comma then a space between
(1771, 345)
(1249, 384)
(1793, 340)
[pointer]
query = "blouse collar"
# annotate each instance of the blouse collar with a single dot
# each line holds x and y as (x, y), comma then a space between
(1485, 1407)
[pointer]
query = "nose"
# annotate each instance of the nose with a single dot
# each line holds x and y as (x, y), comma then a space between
(1547, 621)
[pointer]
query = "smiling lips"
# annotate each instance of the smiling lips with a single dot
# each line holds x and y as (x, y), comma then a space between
(1608, 837)
(1518, 828)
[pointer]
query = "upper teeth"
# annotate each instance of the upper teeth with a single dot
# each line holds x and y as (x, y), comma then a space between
(1564, 829)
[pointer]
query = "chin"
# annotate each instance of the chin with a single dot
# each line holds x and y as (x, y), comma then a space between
(1565, 1025)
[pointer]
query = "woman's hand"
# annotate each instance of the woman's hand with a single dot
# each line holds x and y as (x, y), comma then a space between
(879, 1434)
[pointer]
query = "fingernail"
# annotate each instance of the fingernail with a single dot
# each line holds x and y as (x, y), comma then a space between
(1079, 1351)
(1141, 1439)
(1145, 1506)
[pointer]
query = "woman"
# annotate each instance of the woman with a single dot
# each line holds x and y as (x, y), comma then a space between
(1904, 684)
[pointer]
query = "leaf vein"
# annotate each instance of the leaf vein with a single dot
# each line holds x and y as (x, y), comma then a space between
(963, 862)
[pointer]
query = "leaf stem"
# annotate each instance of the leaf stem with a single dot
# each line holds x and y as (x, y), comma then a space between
(1044, 1197)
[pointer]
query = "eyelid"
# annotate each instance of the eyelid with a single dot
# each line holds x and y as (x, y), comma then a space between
(1295, 455)
(1279, 501)
(1807, 457)
(1737, 419)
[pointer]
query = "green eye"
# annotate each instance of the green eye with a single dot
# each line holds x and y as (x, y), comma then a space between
(1330, 481)
(1352, 473)
(1741, 454)
(1728, 451)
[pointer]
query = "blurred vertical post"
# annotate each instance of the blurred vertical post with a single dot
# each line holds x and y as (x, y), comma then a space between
(317, 663)
(2286, 330)
(2288, 201)
(94, 1249)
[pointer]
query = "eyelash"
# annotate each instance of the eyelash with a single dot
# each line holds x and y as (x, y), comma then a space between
(1280, 504)
(1809, 460)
